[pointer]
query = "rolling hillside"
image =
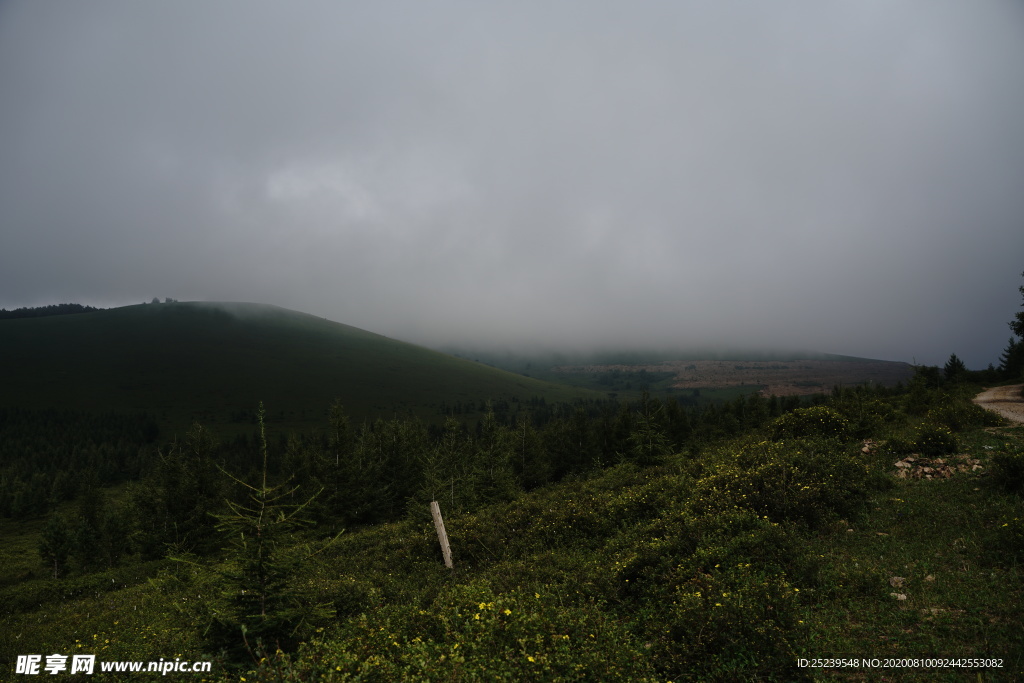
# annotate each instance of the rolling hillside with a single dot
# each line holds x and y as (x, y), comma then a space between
(215, 362)
(710, 373)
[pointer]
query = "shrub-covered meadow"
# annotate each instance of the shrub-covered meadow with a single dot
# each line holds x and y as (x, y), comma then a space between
(646, 545)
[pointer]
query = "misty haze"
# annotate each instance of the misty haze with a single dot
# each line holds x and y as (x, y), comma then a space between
(837, 177)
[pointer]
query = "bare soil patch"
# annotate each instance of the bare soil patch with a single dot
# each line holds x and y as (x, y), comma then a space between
(1006, 401)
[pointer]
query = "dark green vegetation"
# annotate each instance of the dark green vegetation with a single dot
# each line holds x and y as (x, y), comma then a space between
(214, 362)
(1012, 359)
(45, 311)
(640, 542)
(49, 456)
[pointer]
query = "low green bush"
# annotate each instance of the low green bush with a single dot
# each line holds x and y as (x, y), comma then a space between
(471, 633)
(868, 417)
(961, 415)
(736, 623)
(807, 481)
(933, 439)
(928, 439)
(1008, 471)
(712, 594)
(814, 421)
(900, 445)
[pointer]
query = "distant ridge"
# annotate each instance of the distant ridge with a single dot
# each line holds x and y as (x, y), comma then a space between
(42, 311)
(215, 362)
(777, 372)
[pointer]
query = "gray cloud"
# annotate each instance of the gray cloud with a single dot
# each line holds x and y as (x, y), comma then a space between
(837, 176)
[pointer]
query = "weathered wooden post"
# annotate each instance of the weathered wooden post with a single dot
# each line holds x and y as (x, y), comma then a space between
(442, 535)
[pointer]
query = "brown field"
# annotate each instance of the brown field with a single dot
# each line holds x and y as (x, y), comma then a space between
(781, 378)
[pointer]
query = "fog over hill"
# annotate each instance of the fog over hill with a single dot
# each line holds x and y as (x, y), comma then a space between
(834, 176)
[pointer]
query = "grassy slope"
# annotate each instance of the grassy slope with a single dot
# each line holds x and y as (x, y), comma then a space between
(205, 361)
(963, 593)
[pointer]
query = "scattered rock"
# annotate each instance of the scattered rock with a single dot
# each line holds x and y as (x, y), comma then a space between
(916, 467)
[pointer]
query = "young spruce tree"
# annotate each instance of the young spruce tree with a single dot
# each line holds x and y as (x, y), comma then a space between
(257, 598)
(56, 545)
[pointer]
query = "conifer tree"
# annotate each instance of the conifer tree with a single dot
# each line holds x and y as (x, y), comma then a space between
(85, 544)
(1017, 324)
(56, 545)
(648, 443)
(448, 471)
(258, 599)
(114, 530)
(570, 441)
(1011, 362)
(401, 442)
(529, 460)
(954, 368)
(362, 491)
(678, 426)
(494, 469)
(339, 437)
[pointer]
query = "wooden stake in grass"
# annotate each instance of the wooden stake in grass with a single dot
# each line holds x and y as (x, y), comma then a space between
(442, 535)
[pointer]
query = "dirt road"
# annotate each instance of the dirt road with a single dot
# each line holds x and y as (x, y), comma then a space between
(1006, 401)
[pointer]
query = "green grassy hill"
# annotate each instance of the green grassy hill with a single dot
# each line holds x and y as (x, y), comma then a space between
(215, 362)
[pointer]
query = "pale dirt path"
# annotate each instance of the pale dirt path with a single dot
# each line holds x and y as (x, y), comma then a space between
(1006, 401)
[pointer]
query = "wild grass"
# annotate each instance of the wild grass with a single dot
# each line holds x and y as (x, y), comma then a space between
(929, 570)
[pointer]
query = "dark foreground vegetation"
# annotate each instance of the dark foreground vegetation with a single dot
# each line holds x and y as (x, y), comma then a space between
(645, 541)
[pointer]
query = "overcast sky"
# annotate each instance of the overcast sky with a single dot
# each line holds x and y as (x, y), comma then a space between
(840, 176)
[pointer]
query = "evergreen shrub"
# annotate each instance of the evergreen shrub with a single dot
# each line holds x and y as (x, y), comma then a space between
(961, 415)
(866, 418)
(807, 481)
(712, 594)
(928, 439)
(814, 421)
(935, 439)
(1008, 471)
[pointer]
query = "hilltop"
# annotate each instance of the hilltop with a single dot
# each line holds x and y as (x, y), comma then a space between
(215, 362)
